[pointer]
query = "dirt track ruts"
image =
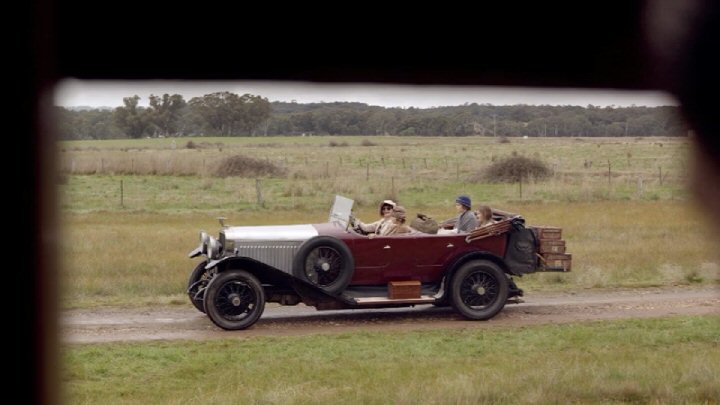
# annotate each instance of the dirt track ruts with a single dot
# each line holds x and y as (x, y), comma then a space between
(185, 322)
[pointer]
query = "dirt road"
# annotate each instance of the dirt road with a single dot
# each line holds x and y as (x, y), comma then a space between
(185, 322)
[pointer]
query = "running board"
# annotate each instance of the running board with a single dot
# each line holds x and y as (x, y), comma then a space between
(424, 299)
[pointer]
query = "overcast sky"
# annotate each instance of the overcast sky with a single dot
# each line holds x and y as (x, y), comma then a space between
(71, 93)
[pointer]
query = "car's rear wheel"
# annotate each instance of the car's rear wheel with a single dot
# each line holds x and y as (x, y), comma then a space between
(234, 300)
(197, 283)
(479, 290)
(326, 262)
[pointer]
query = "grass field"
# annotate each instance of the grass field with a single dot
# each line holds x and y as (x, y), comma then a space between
(423, 171)
(130, 212)
(127, 232)
(666, 361)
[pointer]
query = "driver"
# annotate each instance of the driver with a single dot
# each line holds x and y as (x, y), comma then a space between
(378, 227)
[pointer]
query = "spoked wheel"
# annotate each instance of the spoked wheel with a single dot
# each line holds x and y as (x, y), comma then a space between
(234, 300)
(197, 283)
(479, 290)
(325, 262)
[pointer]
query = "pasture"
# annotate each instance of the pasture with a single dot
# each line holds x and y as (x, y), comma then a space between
(128, 224)
(663, 361)
(131, 210)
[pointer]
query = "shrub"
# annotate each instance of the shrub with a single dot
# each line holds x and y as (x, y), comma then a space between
(242, 166)
(366, 142)
(333, 143)
(513, 169)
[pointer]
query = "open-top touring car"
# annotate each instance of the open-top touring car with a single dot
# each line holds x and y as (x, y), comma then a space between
(332, 266)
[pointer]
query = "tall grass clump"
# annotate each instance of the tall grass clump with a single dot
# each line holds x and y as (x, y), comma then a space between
(243, 166)
(513, 169)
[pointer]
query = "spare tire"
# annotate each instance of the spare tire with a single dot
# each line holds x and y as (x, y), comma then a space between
(325, 262)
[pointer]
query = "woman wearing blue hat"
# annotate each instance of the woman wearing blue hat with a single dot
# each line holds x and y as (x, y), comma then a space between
(466, 220)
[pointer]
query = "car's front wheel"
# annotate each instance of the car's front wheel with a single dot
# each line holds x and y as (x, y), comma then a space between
(479, 290)
(197, 283)
(234, 300)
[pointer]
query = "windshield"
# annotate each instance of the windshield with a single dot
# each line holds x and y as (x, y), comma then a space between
(341, 209)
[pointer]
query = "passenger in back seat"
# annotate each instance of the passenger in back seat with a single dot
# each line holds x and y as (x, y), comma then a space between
(484, 216)
(466, 220)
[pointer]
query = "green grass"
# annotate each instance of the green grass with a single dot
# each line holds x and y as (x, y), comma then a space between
(422, 170)
(628, 229)
(673, 360)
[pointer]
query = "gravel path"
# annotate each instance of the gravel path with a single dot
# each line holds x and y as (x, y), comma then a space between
(185, 322)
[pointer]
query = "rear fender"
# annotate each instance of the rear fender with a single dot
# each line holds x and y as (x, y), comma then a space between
(459, 261)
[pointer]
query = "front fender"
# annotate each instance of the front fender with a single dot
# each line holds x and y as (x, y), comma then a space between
(213, 263)
(195, 253)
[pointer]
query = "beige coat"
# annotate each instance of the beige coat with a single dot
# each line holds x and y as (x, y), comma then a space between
(394, 228)
(374, 227)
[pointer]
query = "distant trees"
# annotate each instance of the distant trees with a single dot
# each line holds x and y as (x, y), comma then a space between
(226, 113)
(229, 114)
(165, 112)
(130, 118)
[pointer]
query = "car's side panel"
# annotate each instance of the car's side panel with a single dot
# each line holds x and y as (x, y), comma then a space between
(372, 261)
(394, 251)
(432, 254)
(415, 256)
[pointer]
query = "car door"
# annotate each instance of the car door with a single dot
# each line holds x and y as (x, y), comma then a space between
(432, 252)
(371, 259)
(382, 259)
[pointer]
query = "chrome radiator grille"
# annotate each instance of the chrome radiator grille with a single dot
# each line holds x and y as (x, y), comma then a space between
(276, 254)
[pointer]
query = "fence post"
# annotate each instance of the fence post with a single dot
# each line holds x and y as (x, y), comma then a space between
(521, 185)
(609, 174)
(122, 203)
(258, 190)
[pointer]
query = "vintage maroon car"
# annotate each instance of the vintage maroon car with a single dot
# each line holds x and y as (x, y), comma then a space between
(331, 266)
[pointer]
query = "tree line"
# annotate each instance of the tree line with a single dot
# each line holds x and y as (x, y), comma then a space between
(229, 114)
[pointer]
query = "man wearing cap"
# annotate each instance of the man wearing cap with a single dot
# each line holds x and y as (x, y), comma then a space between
(466, 220)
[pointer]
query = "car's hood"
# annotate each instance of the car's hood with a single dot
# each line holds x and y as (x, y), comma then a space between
(270, 233)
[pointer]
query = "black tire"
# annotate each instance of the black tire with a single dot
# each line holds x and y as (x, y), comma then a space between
(325, 262)
(197, 283)
(479, 290)
(234, 300)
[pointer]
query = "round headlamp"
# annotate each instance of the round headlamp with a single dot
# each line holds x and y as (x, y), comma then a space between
(213, 248)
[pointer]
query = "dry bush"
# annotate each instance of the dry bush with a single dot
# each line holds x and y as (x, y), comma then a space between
(503, 139)
(333, 143)
(242, 166)
(366, 142)
(513, 169)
